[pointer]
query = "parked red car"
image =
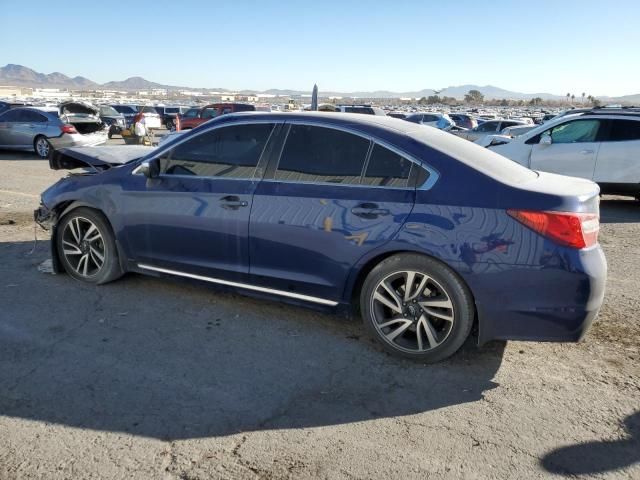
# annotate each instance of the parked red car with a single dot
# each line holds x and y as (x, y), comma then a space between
(192, 119)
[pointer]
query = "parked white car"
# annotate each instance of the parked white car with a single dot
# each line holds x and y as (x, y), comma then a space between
(601, 145)
(505, 135)
(151, 117)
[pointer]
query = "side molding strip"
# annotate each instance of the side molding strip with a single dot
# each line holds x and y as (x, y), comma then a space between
(297, 296)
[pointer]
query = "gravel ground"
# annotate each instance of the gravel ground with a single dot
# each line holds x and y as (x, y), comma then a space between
(149, 378)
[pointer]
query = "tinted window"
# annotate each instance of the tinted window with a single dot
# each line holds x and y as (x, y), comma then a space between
(488, 127)
(144, 109)
(577, 131)
(191, 113)
(10, 116)
(624, 130)
(124, 109)
(171, 110)
(317, 154)
(31, 117)
(510, 124)
(387, 169)
(365, 110)
(430, 118)
(210, 112)
(230, 152)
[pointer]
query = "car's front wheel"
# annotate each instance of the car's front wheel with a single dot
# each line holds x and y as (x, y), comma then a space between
(86, 246)
(417, 307)
(42, 146)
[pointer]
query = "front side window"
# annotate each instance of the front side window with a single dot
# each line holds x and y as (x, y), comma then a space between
(191, 113)
(623, 130)
(227, 152)
(387, 169)
(430, 118)
(11, 116)
(322, 155)
(577, 131)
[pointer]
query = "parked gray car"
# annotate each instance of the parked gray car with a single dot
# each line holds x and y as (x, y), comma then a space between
(72, 124)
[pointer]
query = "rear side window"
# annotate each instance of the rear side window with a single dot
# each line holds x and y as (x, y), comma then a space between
(11, 116)
(33, 117)
(577, 131)
(322, 155)
(387, 169)
(229, 152)
(622, 130)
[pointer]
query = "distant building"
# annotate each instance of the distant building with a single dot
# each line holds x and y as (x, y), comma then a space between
(10, 91)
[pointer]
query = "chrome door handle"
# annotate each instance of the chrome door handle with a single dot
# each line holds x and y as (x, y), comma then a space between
(232, 202)
(586, 152)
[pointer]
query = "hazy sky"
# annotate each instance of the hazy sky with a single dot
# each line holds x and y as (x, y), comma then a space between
(534, 46)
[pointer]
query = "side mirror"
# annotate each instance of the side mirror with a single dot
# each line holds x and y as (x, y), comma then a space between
(546, 139)
(150, 168)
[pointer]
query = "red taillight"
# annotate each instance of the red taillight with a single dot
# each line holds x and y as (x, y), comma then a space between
(68, 129)
(577, 230)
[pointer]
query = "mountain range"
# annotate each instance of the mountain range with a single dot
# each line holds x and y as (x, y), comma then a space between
(18, 75)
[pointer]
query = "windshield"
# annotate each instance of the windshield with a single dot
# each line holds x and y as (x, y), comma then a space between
(108, 111)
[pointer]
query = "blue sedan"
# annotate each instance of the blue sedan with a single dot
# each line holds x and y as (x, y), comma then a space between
(426, 236)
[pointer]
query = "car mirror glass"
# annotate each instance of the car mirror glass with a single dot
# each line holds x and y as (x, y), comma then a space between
(150, 168)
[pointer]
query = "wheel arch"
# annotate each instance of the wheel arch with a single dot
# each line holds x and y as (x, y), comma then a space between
(364, 267)
(67, 206)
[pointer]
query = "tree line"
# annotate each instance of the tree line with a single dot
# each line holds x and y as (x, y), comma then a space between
(475, 97)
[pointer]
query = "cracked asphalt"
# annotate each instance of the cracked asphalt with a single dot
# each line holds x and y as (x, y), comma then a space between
(156, 378)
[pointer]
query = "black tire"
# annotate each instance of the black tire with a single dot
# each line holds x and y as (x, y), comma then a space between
(169, 125)
(456, 293)
(39, 147)
(110, 269)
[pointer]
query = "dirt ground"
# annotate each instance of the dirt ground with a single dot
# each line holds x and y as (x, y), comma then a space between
(148, 378)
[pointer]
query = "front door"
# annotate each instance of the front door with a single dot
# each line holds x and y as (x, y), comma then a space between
(195, 216)
(573, 149)
(317, 214)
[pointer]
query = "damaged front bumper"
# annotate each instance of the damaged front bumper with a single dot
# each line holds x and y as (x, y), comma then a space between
(48, 220)
(44, 217)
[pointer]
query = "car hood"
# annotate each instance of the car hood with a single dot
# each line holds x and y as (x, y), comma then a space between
(98, 158)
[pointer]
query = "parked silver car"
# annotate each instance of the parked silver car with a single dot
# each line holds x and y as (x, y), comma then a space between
(72, 124)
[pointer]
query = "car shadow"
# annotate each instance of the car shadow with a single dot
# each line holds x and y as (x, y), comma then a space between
(174, 360)
(19, 155)
(597, 457)
(617, 210)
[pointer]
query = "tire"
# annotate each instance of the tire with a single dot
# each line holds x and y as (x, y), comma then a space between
(428, 323)
(86, 233)
(169, 125)
(41, 146)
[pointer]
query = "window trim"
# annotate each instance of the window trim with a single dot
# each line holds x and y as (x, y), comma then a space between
(275, 161)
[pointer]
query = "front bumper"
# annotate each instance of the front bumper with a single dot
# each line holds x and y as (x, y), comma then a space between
(48, 220)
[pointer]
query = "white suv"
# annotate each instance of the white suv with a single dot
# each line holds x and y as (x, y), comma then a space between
(602, 145)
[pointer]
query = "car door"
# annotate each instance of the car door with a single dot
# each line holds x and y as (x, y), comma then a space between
(30, 125)
(618, 159)
(315, 214)
(573, 149)
(9, 131)
(195, 216)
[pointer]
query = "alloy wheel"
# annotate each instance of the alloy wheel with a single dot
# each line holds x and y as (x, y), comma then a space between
(42, 147)
(412, 311)
(83, 246)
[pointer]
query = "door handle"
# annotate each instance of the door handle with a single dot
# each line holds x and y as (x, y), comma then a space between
(232, 202)
(369, 210)
(586, 152)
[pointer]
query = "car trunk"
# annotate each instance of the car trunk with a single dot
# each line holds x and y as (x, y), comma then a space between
(84, 117)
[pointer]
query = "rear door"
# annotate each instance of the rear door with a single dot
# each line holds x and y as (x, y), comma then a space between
(316, 214)
(8, 122)
(573, 150)
(195, 216)
(618, 158)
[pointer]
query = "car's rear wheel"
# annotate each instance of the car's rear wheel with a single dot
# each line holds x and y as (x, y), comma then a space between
(169, 125)
(87, 248)
(42, 146)
(417, 307)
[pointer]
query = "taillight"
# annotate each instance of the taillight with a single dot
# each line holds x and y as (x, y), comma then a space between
(577, 230)
(68, 129)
